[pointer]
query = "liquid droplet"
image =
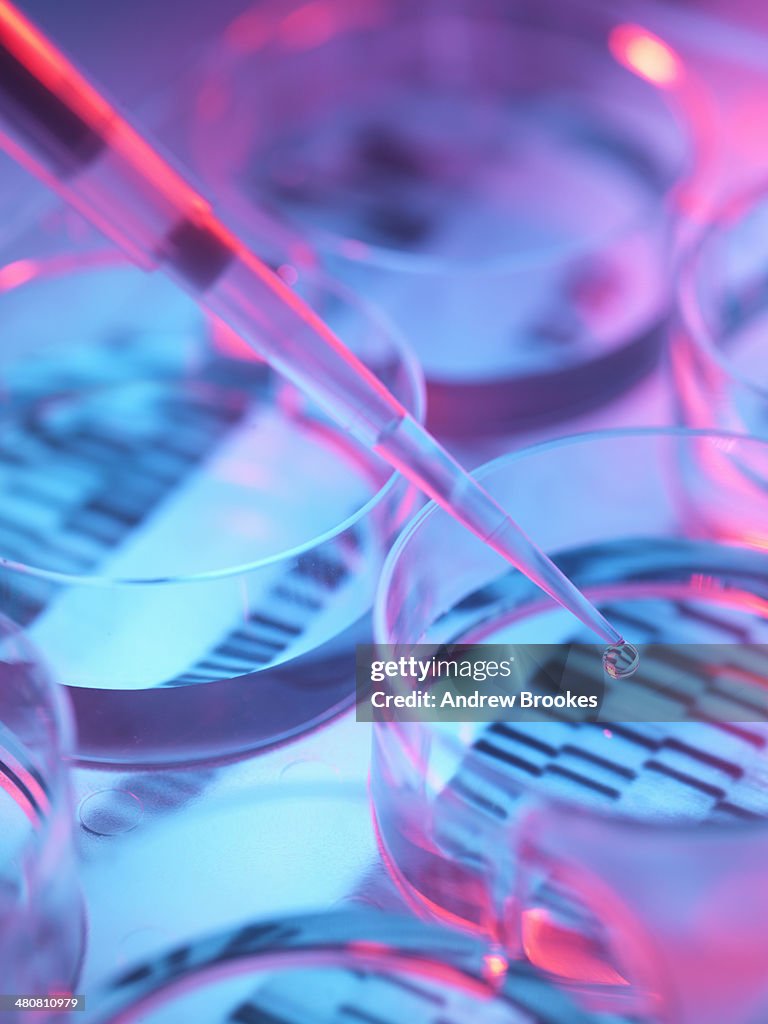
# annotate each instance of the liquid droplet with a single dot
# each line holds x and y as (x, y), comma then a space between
(621, 660)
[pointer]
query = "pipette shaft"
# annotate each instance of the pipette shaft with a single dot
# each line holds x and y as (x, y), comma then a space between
(60, 127)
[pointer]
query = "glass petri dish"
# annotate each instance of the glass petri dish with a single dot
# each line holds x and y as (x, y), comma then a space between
(602, 851)
(498, 181)
(41, 912)
(193, 545)
(718, 349)
(334, 968)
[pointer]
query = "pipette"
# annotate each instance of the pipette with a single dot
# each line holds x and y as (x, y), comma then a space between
(54, 122)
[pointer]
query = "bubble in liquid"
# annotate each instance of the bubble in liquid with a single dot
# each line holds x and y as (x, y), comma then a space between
(621, 660)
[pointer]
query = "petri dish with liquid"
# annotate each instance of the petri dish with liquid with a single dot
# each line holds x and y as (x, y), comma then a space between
(192, 544)
(42, 920)
(615, 854)
(335, 968)
(501, 182)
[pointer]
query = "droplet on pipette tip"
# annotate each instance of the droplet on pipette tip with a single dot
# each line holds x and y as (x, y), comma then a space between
(621, 660)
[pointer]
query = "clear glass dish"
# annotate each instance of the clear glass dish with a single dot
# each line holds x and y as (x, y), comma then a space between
(496, 179)
(334, 968)
(626, 857)
(42, 926)
(192, 544)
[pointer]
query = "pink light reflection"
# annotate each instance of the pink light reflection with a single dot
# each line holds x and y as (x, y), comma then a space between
(310, 26)
(15, 274)
(230, 344)
(646, 55)
(563, 951)
(495, 967)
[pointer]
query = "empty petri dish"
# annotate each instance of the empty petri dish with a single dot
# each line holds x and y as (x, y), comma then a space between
(501, 187)
(718, 352)
(192, 544)
(333, 968)
(41, 912)
(615, 854)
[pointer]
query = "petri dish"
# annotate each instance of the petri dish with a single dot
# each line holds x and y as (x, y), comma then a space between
(717, 355)
(615, 855)
(191, 543)
(499, 182)
(334, 968)
(42, 925)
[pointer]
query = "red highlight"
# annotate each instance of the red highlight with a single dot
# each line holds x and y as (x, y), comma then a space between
(374, 949)
(646, 55)
(50, 68)
(230, 343)
(24, 805)
(29, 782)
(21, 272)
(495, 967)
(564, 952)
(15, 274)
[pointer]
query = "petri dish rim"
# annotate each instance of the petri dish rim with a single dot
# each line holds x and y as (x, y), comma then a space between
(11, 632)
(223, 62)
(385, 942)
(48, 826)
(530, 790)
(416, 401)
(691, 314)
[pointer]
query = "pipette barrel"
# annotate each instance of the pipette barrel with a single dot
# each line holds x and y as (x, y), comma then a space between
(60, 127)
